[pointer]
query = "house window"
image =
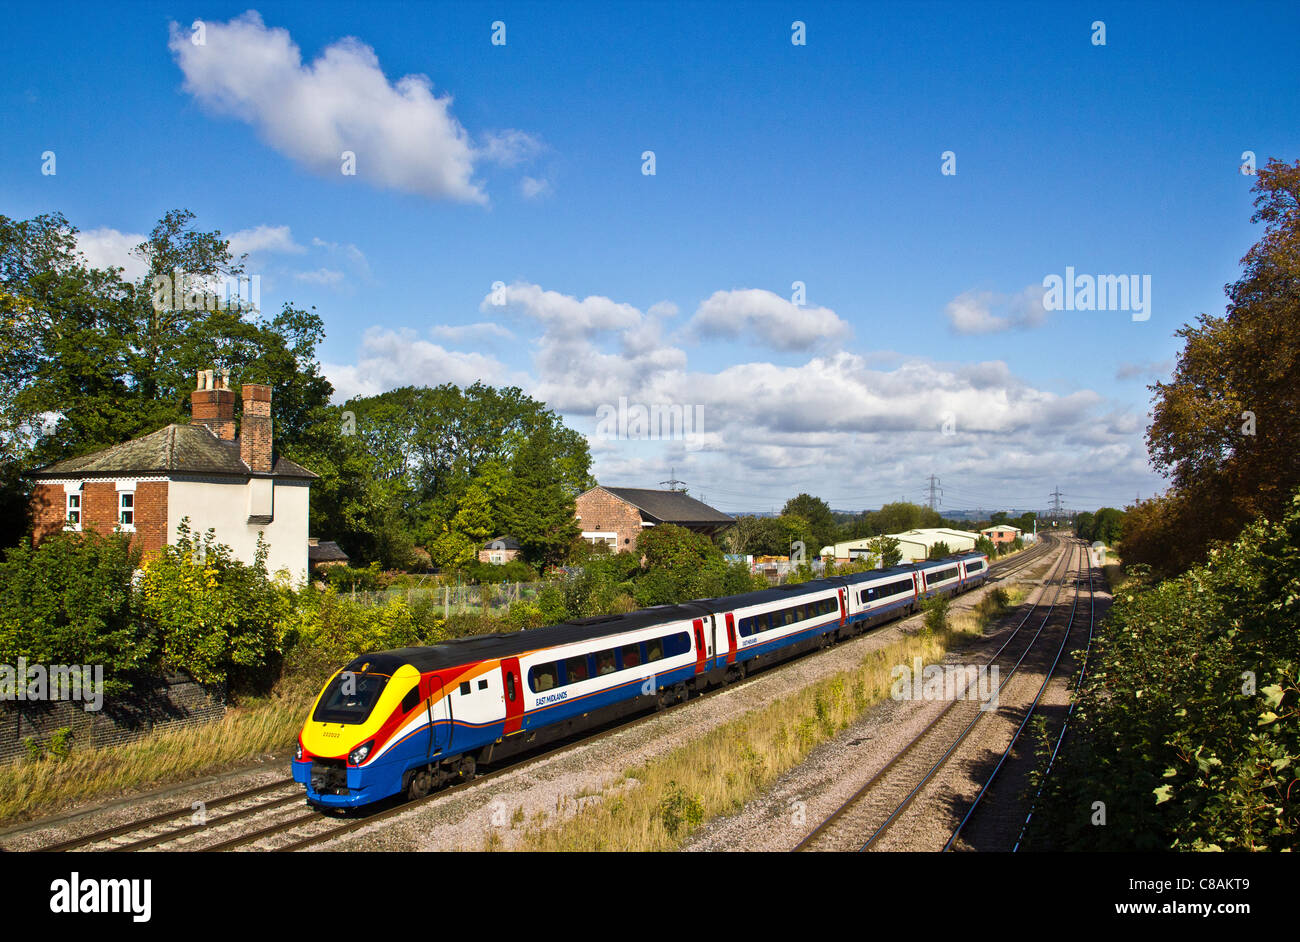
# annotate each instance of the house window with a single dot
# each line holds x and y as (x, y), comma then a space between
(74, 510)
(126, 509)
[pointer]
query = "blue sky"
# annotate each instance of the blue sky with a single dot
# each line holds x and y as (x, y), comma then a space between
(775, 164)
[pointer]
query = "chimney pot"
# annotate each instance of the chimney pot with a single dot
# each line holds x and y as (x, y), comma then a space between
(213, 406)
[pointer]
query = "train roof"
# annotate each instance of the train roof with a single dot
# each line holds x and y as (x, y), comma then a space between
(457, 651)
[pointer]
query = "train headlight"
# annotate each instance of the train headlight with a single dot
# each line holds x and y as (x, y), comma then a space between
(299, 752)
(358, 755)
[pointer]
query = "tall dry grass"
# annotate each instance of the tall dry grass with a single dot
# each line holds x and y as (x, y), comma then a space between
(51, 784)
(656, 806)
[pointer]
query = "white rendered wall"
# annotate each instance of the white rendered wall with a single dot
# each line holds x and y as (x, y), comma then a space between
(224, 506)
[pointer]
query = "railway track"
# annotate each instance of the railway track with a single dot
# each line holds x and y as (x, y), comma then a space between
(170, 826)
(276, 816)
(861, 822)
(979, 805)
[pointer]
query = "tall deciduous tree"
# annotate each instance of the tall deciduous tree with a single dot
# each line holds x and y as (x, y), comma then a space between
(1226, 425)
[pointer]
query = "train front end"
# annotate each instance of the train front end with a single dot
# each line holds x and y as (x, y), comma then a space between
(343, 757)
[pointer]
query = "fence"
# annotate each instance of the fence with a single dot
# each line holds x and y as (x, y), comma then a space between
(173, 701)
(486, 599)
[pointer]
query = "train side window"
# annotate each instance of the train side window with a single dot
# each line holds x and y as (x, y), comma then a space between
(411, 700)
(482, 684)
(605, 663)
(677, 644)
(575, 669)
(542, 677)
(654, 650)
(631, 655)
(510, 686)
(464, 688)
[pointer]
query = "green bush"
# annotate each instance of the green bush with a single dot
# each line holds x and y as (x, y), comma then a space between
(216, 617)
(936, 613)
(679, 811)
(1188, 725)
(70, 601)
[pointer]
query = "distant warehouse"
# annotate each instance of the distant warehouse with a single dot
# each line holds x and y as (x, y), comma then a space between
(915, 545)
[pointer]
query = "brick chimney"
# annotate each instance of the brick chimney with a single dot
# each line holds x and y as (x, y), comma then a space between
(213, 403)
(255, 432)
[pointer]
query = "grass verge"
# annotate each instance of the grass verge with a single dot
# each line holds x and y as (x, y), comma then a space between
(657, 806)
(269, 725)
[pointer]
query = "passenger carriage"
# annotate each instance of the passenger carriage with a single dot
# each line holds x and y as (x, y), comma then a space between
(409, 720)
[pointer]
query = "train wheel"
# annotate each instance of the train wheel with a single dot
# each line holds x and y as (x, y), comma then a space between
(466, 767)
(421, 784)
(663, 699)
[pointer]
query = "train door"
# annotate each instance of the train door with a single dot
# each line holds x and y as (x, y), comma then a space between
(440, 721)
(701, 649)
(513, 694)
(844, 606)
(731, 638)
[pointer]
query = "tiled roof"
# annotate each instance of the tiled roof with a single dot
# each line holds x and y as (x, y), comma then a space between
(185, 449)
(327, 551)
(670, 506)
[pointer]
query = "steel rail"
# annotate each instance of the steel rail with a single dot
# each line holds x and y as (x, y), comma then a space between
(907, 749)
(961, 738)
(1030, 712)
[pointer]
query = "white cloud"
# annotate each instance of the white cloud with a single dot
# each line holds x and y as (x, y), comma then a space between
(403, 135)
(1155, 369)
(561, 313)
(464, 332)
(390, 359)
(105, 248)
(533, 188)
(509, 148)
(263, 239)
(321, 276)
(862, 429)
(972, 312)
(769, 318)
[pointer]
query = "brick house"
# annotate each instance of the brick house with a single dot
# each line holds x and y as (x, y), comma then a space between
(234, 485)
(1001, 534)
(616, 516)
(502, 550)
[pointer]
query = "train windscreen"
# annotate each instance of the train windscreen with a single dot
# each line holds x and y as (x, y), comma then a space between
(349, 698)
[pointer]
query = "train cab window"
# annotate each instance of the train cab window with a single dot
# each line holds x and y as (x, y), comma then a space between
(631, 654)
(542, 677)
(411, 700)
(510, 686)
(482, 684)
(349, 698)
(654, 650)
(464, 688)
(605, 663)
(575, 669)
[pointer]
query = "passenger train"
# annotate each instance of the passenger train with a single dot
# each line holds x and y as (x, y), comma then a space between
(410, 720)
